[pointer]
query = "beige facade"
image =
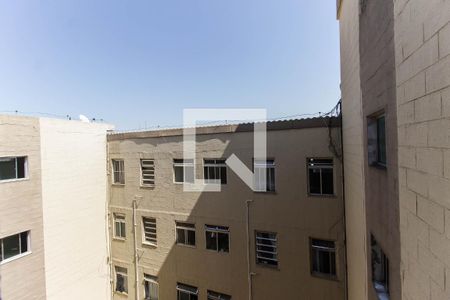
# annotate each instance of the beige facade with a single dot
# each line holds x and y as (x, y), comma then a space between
(422, 34)
(21, 210)
(353, 151)
(61, 207)
(295, 216)
(398, 62)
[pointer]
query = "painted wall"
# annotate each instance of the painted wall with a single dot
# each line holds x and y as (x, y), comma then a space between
(378, 88)
(353, 150)
(289, 211)
(21, 210)
(74, 193)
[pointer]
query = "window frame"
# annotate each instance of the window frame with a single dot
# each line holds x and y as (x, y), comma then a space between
(373, 136)
(153, 280)
(121, 172)
(308, 167)
(329, 250)
(185, 230)
(220, 296)
(142, 181)
(217, 229)
(259, 263)
(187, 289)
(123, 274)
(25, 168)
(122, 219)
(218, 166)
(185, 163)
(21, 254)
(257, 164)
(144, 238)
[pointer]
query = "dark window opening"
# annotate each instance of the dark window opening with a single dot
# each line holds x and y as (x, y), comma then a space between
(323, 258)
(13, 168)
(376, 140)
(320, 176)
(215, 171)
(380, 269)
(217, 238)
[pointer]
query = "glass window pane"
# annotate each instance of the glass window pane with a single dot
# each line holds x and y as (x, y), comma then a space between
(191, 237)
(270, 179)
(122, 230)
(7, 168)
(211, 240)
(24, 242)
(179, 176)
(11, 246)
(381, 140)
(183, 296)
(223, 242)
(223, 175)
(314, 181)
(21, 164)
(180, 236)
(327, 181)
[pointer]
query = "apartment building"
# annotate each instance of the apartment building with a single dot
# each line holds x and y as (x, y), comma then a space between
(286, 242)
(395, 72)
(53, 212)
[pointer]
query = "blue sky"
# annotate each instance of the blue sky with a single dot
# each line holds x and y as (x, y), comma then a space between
(133, 63)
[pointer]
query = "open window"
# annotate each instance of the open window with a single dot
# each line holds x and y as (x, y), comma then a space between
(380, 270)
(217, 238)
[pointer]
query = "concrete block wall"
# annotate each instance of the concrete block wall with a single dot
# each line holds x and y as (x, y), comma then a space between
(422, 38)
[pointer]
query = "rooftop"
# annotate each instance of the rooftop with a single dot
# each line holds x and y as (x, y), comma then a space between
(228, 128)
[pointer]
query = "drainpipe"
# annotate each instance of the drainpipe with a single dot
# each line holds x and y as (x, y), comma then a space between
(250, 273)
(110, 223)
(343, 201)
(136, 271)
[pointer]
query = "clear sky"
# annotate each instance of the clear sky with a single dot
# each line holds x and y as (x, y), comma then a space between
(133, 63)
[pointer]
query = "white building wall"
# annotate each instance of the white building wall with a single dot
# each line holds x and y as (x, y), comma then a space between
(73, 156)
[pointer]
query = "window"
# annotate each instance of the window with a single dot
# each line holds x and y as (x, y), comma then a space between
(323, 256)
(118, 171)
(147, 172)
(266, 248)
(150, 287)
(13, 168)
(183, 170)
(121, 280)
(186, 292)
(215, 171)
(217, 238)
(14, 245)
(376, 140)
(149, 228)
(264, 183)
(119, 226)
(185, 233)
(217, 296)
(320, 176)
(380, 269)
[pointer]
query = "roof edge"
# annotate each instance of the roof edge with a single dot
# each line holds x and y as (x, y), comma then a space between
(217, 129)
